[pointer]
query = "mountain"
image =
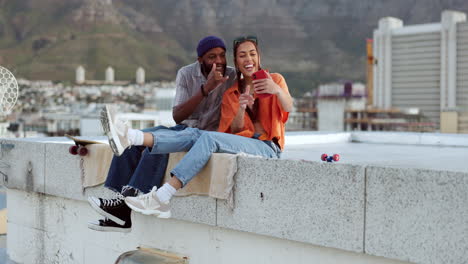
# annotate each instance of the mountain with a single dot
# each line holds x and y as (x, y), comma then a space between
(308, 41)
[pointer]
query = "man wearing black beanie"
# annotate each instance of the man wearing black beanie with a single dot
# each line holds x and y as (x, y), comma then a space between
(200, 107)
(199, 90)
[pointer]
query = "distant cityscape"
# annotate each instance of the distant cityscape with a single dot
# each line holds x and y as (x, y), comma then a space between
(45, 108)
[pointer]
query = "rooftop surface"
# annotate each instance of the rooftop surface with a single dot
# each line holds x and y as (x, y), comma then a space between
(387, 149)
(386, 155)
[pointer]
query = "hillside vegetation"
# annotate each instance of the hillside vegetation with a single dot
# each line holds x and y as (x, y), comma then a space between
(308, 41)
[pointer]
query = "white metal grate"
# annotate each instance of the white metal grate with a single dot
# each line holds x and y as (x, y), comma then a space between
(8, 91)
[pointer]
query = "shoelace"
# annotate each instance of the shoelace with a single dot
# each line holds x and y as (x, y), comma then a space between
(114, 201)
(106, 221)
(104, 116)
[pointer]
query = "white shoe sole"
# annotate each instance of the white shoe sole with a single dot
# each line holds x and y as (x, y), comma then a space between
(97, 227)
(95, 205)
(157, 213)
(108, 127)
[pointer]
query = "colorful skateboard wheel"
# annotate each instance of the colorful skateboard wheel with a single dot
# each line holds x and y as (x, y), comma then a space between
(82, 151)
(324, 157)
(73, 150)
(336, 157)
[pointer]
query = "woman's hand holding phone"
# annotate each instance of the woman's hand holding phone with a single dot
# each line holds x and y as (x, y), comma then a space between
(263, 84)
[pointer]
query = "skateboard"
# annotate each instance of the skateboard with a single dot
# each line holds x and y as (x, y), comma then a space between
(80, 146)
(327, 158)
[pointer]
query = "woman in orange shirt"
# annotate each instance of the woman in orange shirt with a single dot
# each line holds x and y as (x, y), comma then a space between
(253, 116)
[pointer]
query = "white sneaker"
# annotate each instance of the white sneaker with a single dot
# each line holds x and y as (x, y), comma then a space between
(149, 204)
(115, 130)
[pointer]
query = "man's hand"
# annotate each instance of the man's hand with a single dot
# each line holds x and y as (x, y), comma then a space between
(246, 99)
(214, 80)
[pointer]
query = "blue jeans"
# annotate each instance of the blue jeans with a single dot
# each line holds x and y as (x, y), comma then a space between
(201, 144)
(137, 168)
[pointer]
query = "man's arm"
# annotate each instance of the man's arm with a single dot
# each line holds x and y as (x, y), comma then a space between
(182, 111)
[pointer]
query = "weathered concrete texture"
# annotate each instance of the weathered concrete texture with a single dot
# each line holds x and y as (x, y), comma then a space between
(32, 241)
(63, 238)
(56, 172)
(197, 209)
(62, 172)
(23, 164)
(417, 215)
(311, 202)
(55, 230)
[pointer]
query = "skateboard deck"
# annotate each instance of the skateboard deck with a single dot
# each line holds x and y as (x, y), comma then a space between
(80, 145)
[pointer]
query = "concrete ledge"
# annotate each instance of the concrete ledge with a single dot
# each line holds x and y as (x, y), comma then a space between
(407, 214)
(55, 172)
(293, 200)
(63, 238)
(417, 215)
(24, 164)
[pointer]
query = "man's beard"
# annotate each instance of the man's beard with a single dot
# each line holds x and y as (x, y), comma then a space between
(206, 69)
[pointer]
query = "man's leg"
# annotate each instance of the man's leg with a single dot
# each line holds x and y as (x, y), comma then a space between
(115, 211)
(122, 169)
(152, 167)
(122, 137)
(150, 171)
(132, 172)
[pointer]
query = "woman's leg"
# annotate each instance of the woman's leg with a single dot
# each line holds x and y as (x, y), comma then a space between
(152, 167)
(157, 201)
(215, 142)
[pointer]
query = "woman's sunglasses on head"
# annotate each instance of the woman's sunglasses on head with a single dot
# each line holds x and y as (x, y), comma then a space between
(245, 38)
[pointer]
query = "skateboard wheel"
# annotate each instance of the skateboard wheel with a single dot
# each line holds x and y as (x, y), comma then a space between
(82, 151)
(336, 157)
(73, 150)
(324, 157)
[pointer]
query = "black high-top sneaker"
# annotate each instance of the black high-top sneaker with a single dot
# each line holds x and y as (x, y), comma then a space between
(115, 209)
(107, 225)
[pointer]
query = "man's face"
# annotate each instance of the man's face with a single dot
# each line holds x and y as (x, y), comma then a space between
(214, 55)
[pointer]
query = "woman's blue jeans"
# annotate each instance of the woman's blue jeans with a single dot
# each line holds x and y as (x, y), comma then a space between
(137, 168)
(201, 144)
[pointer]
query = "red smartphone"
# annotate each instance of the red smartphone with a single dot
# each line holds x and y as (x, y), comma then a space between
(258, 75)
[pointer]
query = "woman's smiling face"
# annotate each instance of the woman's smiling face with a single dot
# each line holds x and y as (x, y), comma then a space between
(247, 58)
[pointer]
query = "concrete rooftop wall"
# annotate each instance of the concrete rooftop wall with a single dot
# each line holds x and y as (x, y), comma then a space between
(404, 214)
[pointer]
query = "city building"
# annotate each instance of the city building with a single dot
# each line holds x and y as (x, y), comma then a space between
(424, 66)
